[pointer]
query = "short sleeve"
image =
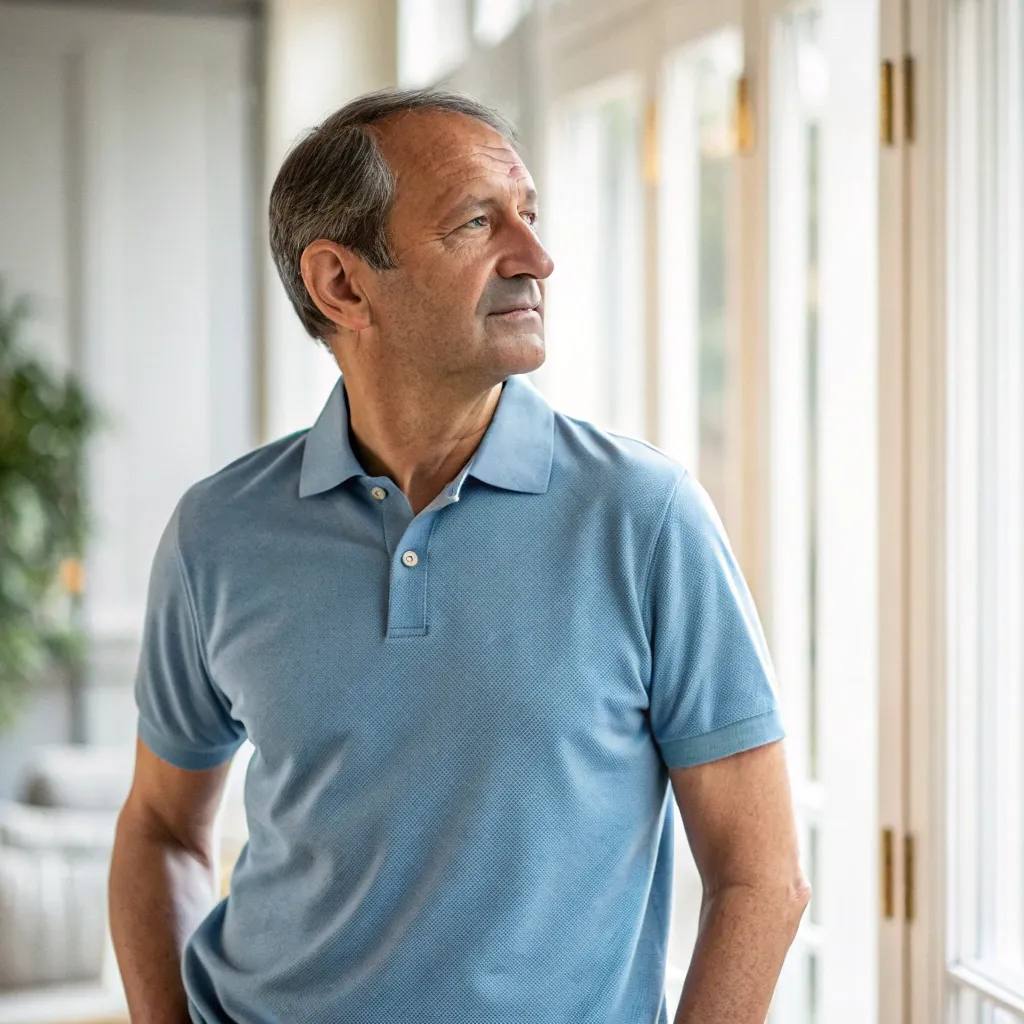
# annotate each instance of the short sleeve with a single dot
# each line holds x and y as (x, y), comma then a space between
(183, 717)
(712, 690)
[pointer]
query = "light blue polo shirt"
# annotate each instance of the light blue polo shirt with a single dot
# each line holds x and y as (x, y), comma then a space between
(459, 806)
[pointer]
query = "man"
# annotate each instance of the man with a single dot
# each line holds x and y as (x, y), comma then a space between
(472, 641)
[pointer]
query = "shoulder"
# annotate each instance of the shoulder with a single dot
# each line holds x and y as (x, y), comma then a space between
(616, 464)
(238, 494)
(643, 481)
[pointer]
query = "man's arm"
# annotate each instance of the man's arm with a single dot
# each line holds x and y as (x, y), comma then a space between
(738, 815)
(163, 880)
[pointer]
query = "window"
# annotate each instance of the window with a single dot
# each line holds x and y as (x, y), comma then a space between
(798, 97)
(433, 38)
(495, 20)
(595, 361)
(985, 522)
(699, 244)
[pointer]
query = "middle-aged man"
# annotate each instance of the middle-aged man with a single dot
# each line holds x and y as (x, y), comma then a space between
(472, 640)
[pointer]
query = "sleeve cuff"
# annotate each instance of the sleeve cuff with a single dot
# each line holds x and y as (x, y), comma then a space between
(732, 739)
(185, 757)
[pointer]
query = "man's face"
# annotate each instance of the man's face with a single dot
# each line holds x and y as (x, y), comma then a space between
(467, 296)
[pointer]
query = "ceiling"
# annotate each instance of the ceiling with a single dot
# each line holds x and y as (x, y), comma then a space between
(249, 7)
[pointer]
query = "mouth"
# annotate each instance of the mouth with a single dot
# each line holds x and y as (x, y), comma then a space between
(520, 313)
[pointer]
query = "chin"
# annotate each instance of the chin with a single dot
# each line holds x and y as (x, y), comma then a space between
(512, 348)
(523, 355)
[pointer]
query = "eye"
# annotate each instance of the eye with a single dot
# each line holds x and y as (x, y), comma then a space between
(530, 216)
(480, 221)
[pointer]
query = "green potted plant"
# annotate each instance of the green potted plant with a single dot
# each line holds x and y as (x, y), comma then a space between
(46, 420)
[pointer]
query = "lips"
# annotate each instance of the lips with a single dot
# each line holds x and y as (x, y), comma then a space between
(514, 309)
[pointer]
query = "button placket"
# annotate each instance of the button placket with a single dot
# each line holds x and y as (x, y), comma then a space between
(407, 601)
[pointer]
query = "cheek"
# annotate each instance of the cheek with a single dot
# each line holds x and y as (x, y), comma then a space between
(459, 291)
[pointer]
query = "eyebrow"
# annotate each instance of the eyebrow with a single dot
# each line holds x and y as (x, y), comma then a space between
(530, 198)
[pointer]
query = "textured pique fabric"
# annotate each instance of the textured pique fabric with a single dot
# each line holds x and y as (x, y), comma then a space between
(459, 804)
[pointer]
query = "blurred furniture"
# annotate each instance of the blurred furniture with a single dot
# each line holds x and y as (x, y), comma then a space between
(55, 845)
(79, 1003)
(57, 964)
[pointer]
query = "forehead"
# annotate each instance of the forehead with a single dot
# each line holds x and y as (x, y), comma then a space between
(436, 156)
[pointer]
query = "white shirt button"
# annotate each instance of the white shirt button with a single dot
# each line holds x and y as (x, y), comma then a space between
(410, 558)
(379, 493)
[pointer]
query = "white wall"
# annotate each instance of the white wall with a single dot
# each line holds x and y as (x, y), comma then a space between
(126, 208)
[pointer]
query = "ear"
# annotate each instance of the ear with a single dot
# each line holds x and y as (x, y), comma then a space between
(331, 274)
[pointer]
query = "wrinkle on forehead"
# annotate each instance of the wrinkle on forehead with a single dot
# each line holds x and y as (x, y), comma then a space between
(447, 145)
(457, 162)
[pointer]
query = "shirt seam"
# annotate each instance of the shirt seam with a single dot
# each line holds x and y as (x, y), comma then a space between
(771, 712)
(654, 550)
(184, 751)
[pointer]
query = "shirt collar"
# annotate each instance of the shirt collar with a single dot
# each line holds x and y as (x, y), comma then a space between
(515, 452)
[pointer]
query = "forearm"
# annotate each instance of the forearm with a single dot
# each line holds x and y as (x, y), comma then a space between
(742, 942)
(159, 893)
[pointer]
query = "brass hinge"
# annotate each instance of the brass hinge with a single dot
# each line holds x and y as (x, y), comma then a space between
(888, 875)
(888, 879)
(887, 130)
(651, 143)
(909, 879)
(744, 116)
(887, 101)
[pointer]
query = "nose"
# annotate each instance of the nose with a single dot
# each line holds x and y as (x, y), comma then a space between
(524, 254)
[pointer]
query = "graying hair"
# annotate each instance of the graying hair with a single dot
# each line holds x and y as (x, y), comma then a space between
(335, 184)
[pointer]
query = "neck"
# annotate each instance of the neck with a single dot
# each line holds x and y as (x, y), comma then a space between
(418, 433)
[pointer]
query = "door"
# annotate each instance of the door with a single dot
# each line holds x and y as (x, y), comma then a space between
(968, 964)
(819, 102)
(595, 187)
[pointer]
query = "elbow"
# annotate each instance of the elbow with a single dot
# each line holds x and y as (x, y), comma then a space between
(797, 898)
(778, 902)
(139, 826)
(800, 891)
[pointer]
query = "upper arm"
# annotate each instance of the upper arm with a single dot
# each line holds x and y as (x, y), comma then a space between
(184, 716)
(187, 734)
(738, 816)
(175, 802)
(712, 683)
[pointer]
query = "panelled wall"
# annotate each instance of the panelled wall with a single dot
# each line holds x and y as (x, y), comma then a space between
(127, 181)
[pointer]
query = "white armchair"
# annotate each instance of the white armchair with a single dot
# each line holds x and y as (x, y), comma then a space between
(55, 846)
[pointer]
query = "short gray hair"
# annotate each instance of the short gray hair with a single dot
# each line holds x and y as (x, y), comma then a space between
(335, 184)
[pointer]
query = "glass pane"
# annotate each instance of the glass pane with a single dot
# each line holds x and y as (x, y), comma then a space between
(986, 475)
(799, 93)
(813, 873)
(494, 20)
(594, 325)
(433, 38)
(963, 1007)
(967, 1007)
(699, 260)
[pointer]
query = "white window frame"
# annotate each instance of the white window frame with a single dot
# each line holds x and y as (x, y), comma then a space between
(919, 350)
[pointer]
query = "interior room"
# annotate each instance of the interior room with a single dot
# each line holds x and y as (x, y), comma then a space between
(788, 239)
